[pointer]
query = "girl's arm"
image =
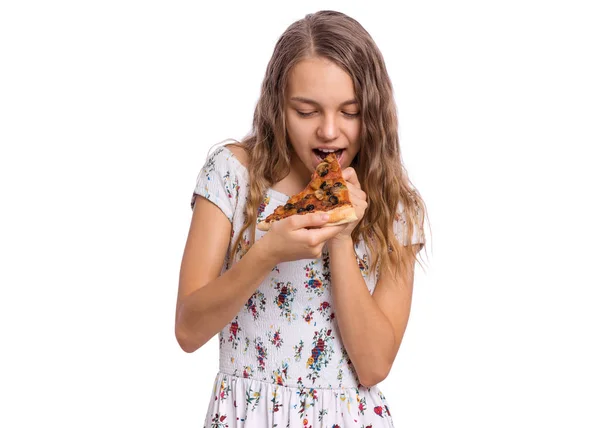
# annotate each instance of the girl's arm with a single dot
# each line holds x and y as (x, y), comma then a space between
(206, 302)
(372, 327)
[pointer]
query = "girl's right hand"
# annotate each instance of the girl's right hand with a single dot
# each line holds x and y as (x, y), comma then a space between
(298, 237)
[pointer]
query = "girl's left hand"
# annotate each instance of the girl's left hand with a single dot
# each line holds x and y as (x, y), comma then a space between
(358, 199)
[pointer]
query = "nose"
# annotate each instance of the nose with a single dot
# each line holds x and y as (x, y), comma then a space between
(328, 128)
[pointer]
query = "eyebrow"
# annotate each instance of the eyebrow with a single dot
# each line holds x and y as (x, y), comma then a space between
(313, 102)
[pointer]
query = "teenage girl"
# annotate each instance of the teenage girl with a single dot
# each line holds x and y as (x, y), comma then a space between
(309, 318)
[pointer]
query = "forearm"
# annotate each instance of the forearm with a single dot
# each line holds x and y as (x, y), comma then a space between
(206, 311)
(366, 332)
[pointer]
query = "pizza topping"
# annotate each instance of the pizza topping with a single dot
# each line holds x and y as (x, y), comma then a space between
(323, 185)
(319, 194)
(300, 210)
(336, 190)
(288, 206)
(336, 166)
(323, 169)
(333, 199)
(310, 207)
(338, 184)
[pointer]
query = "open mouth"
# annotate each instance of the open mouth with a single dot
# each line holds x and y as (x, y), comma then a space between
(322, 155)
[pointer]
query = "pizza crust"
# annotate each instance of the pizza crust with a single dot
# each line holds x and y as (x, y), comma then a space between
(340, 215)
(264, 226)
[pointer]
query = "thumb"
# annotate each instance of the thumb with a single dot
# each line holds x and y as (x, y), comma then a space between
(310, 220)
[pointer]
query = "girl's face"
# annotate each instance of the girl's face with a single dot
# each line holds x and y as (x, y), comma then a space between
(321, 113)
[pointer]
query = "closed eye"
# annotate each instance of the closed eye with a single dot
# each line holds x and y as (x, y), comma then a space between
(312, 113)
(305, 114)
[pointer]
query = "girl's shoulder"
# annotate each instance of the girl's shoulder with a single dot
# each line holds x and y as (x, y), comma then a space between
(222, 179)
(239, 154)
(230, 157)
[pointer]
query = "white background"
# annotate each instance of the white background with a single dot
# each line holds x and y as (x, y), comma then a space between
(107, 112)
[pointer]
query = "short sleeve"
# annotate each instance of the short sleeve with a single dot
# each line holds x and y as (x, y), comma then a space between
(400, 224)
(218, 182)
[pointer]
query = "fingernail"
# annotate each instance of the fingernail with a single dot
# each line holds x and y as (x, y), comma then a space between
(325, 217)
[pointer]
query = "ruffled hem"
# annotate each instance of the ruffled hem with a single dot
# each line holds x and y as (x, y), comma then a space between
(251, 403)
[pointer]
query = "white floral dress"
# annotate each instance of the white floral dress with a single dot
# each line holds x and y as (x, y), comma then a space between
(282, 360)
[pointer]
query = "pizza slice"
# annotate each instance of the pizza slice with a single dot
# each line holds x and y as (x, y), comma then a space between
(327, 192)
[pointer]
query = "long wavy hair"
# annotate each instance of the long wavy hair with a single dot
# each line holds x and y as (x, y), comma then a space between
(343, 41)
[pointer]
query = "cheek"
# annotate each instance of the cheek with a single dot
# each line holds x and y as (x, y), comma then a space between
(298, 129)
(354, 132)
(290, 128)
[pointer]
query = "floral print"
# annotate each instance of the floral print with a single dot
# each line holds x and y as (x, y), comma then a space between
(252, 403)
(363, 264)
(261, 353)
(282, 362)
(218, 421)
(320, 353)
(298, 351)
(261, 209)
(280, 375)
(243, 246)
(284, 299)
(252, 399)
(224, 392)
(317, 280)
(232, 187)
(234, 338)
(308, 314)
(275, 338)
(256, 304)
(325, 310)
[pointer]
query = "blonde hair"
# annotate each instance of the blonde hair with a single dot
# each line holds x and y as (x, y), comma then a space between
(342, 40)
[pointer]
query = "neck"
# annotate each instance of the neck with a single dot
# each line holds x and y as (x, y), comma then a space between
(298, 171)
(297, 178)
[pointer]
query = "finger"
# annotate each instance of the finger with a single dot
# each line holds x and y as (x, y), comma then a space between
(307, 220)
(356, 195)
(350, 176)
(325, 233)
